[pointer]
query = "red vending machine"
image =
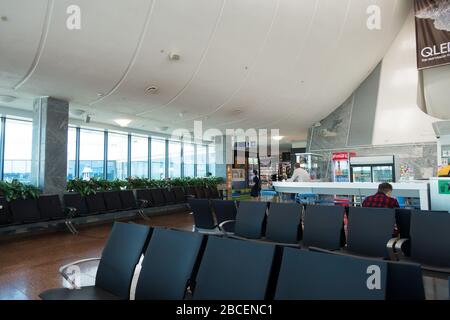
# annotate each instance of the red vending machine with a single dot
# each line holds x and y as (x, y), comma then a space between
(341, 166)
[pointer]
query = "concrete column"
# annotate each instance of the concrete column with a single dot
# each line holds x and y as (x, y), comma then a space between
(50, 125)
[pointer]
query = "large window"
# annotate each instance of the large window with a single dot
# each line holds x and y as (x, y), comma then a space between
(139, 157)
(117, 156)
(174, 159)
(18, 144)
(212, 159)
(189, 160)
(91, 154)
(71, 152)
(201, 161)
(158, 161)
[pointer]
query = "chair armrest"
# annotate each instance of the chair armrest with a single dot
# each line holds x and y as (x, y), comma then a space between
(142, 203)
(62, 270)
(402, 246)
(221, 228)
(390, 246)
(71, 212)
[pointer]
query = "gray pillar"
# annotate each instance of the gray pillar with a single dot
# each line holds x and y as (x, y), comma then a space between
(50, 124)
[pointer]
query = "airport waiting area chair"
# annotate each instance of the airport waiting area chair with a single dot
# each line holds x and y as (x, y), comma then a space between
(429, 242)
(115, 271)
(307, 275)
(203, 216)
(250, 219)
(323, 227)
(370, 232)
(233, 269)
(169, 264)
(404, 280)
(284, 223)
(225, 210)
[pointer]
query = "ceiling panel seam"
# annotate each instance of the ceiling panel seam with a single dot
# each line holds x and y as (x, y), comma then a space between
(40, 49)
(297, 59)
(261, 49)
(133, 57)
(338, 40)
(197, 69)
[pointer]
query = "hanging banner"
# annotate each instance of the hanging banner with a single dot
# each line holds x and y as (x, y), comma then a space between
(432, 32)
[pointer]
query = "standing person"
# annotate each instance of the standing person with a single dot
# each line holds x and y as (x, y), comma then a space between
(299, 175)
(382, 199)
(256, 188)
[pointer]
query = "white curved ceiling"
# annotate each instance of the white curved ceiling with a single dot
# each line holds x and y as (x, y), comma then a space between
(243, 63)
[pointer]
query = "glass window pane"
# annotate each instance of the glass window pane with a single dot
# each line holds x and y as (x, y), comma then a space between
(201, 161)
(174, 159)
(71, 152)
(158, 165)
(189, 160)
(212, 159)
(139, 157)
(18, 144)
(117, 156)
(91, 154)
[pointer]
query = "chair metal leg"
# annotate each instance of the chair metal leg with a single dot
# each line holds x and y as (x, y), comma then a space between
(142, 215)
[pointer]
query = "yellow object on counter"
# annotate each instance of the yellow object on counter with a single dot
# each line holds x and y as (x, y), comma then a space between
(444, 171)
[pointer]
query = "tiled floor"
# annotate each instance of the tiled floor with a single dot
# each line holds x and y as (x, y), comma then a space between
(30, 265)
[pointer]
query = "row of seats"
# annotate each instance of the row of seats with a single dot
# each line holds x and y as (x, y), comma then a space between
(424, 234)
(49, 207)
(187, 265)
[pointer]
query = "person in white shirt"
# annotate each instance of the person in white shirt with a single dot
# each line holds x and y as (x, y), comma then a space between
(299, 175)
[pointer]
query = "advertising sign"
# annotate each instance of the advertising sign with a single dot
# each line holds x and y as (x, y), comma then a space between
(432, 32)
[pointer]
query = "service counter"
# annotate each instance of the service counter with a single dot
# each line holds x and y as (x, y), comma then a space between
(419, 190)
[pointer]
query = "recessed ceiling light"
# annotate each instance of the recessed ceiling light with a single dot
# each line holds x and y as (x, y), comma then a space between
(6, 98)
(152, 89)
(278, 138)
(122, 122)
(100, 94)
(174, 56)
(77, 112)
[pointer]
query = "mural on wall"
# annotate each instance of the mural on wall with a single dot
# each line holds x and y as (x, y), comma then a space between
(433, 32)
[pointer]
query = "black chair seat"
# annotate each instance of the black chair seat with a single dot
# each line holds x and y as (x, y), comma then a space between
(85, 293)
(250, 219)
(203, 216)
(307, 275)
(146, 195)
(234, 270)
(50, 207)
(169, 196)
(180, 196)
(25, 210)
(95, 203)
(75, 200)
(225, 210)
(284, 223)
(158, 197)
(369, 231)
(127, 199)
(169, 263)
(323, 227)
(112, 200)
(5, 214)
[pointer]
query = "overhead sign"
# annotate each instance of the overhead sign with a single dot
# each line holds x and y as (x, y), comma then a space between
(432, 32)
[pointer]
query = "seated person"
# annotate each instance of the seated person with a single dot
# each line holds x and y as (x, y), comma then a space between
(299, 175)
(382, 199)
